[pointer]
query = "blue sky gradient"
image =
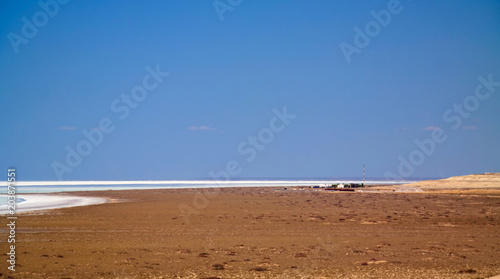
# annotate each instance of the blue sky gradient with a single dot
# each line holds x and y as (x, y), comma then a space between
(226, 77)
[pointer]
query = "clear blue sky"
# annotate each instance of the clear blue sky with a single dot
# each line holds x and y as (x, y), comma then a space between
(226, 77)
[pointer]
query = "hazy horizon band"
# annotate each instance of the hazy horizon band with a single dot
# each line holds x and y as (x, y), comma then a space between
(199, 182)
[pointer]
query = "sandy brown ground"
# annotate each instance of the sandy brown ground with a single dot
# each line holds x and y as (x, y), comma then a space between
(467, 182)
(263, 233)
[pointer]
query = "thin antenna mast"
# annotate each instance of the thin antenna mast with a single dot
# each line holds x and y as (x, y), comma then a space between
(363, 174)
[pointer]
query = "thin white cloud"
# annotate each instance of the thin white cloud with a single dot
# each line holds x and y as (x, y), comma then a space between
(201, 128)
(469, 128)
(431, 128)
(66, 128)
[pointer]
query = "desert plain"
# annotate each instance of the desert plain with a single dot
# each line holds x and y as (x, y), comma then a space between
(446, 231)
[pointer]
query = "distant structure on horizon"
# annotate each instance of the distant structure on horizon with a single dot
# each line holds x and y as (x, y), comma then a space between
(363, 175)
(492, 171)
